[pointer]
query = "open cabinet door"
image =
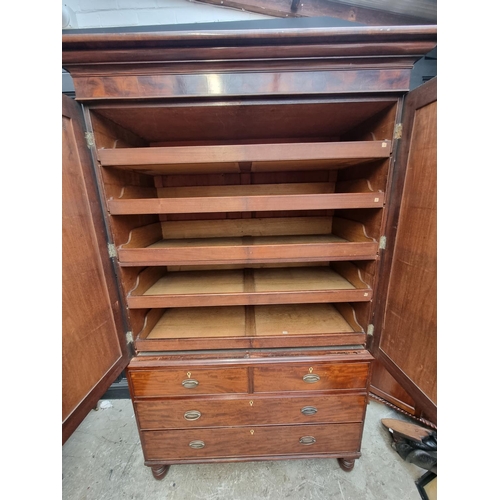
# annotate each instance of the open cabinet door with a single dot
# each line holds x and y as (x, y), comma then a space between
(94, 348)
(405, 337)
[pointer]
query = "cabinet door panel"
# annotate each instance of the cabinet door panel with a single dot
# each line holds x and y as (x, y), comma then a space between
(93, 344)
(407, 341)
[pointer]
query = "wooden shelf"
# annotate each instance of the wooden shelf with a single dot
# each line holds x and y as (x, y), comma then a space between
(255, 157)
(288, 285)
(263, 326)
(247, 241)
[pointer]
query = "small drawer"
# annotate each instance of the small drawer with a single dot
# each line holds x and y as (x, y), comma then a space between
(282, 440)
(181, 413)
(187, 382)
(313, 377)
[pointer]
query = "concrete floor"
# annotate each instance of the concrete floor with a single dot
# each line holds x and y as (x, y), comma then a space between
(103, 460)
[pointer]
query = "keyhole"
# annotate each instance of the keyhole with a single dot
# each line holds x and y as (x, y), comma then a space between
(251, 403)
(188, 374)
(251, 432)
(311, 369)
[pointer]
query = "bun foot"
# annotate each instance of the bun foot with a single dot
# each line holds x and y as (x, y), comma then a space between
(346, 465)
(159, 471)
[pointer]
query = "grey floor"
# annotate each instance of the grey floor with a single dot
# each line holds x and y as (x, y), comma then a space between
(103, 460)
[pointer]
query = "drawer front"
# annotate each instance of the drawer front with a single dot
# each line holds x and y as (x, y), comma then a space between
(178, 414)
(187, 382)
(319, 377)
(248, 442)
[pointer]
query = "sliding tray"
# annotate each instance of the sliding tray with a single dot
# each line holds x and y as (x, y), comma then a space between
(157, 287)
(245, 203)
(255, 157)
(244, 327)
(175, 242)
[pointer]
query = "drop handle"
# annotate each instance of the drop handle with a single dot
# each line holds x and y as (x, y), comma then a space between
(192, 415)
(197, 445)
(309, 410)
(311, 378)
(307, 440)
(189, 383)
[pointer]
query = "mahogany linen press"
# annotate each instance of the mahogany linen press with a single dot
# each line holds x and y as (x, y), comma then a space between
(248, 223)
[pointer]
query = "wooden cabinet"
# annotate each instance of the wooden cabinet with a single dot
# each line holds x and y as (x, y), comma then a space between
(251, 185)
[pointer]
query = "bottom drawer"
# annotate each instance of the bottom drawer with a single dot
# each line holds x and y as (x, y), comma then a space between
(229, 442)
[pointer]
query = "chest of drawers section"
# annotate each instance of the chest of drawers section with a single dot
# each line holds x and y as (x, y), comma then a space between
(264, 405)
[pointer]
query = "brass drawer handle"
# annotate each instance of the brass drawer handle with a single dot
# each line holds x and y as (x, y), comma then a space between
(192, 415)
(311, 378)
(197, 445)
(309, 410)
(307, 440)
(190, 383)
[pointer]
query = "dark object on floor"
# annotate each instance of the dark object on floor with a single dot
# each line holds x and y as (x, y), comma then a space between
(421, 458)
(414, 444)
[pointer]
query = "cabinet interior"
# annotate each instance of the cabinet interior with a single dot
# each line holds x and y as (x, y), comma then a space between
(246, 223)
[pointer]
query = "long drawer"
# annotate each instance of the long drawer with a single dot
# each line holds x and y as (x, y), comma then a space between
(251, 442)
(315, 377)
(187, 382)
(182, 413)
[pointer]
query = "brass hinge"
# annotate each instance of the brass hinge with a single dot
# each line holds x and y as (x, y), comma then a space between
(129, 337)
(370, 330)
(382, 243)
(89, 137)
(112, 250)
(398, 131)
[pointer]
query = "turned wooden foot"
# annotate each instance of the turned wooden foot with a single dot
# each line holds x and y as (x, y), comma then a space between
(345, 464)
(159, 471)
